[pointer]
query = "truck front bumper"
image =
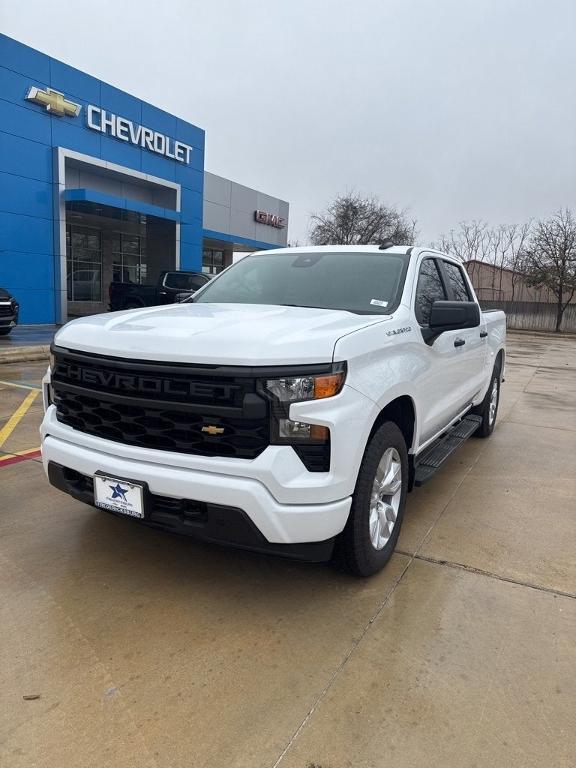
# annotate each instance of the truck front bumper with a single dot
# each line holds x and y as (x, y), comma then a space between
(208, 505)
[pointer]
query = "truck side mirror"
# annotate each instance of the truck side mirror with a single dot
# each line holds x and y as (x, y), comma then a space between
(454, 315)
(451, 316)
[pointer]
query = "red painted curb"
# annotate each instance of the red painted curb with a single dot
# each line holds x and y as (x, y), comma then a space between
(15, 459)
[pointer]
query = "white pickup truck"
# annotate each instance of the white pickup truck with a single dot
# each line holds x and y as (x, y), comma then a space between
(288, 407)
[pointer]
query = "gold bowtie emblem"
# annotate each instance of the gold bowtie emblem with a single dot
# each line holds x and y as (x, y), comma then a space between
(54, 101)
(210, 429)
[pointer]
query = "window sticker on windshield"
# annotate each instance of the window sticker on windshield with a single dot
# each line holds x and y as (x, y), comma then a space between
(379, 302)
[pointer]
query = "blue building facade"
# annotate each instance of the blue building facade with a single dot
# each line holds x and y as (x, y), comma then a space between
(97, 185)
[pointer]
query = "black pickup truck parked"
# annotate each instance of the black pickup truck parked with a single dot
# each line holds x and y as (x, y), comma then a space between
(8, 312)
(170, 284)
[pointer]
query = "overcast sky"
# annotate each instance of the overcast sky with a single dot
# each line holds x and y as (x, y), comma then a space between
(454, 109)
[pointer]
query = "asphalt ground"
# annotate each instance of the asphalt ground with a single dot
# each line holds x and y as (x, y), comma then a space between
(139, 648)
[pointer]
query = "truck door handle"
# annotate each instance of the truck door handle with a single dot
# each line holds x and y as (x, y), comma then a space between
(483, 334)
(459, 342)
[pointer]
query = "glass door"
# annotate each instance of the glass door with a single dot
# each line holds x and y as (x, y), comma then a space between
(128, 258)
(83, 263)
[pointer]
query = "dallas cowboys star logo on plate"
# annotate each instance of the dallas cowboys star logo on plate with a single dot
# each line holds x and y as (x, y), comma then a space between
(118, 492)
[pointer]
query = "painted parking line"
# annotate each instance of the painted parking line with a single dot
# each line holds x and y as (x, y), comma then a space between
(20, 386)
(14, 458)
(17, 416)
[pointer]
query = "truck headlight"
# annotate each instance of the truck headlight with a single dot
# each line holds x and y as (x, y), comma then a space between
(297, 389)
(294, 389)
(296, 431)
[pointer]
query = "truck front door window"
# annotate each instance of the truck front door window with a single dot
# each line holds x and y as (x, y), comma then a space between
(429, 289)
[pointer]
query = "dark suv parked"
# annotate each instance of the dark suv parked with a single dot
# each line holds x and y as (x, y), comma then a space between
(8, 312)
(167, 291)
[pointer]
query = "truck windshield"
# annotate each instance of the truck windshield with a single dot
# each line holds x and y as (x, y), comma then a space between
(364, 283)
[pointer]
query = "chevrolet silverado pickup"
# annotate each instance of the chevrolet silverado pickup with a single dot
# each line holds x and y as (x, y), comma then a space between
(288, 407)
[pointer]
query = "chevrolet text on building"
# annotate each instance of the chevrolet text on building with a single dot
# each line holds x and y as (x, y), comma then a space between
(106, 122)
(121, 128)
(98, 187)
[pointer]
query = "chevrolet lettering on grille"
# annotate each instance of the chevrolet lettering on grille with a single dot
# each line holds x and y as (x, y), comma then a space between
(144, 385)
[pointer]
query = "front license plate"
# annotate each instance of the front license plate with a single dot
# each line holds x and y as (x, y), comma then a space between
(118, 496)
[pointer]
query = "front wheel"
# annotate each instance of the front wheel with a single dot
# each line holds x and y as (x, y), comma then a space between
(488, 408)
(369, 538)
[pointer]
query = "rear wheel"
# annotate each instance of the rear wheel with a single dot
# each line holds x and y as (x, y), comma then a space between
(368, 540)
(488, 408)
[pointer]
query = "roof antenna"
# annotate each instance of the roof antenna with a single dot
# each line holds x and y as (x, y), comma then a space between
(386, 244)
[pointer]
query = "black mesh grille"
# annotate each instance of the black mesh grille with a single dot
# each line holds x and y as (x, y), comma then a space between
(6, 310)
(164, 407)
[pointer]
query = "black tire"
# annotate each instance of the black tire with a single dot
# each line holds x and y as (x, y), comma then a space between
(354, 551)
(487, 426)
(5, 331)
(132, 305)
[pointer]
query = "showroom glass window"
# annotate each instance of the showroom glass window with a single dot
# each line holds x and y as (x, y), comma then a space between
(128, 258)
(212, 261)
(83, 263)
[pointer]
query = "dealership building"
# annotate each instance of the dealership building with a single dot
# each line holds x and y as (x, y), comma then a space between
(97, 185)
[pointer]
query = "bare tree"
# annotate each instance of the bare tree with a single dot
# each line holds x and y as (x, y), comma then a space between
(476, 243)
(470, 241)
(514, 238)
(355, 220)
(550, 259)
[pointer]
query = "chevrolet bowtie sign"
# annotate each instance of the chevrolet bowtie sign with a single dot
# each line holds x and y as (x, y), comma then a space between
(100, 120)
(54, 101)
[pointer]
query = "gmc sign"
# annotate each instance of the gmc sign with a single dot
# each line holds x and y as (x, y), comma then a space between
(270, 219)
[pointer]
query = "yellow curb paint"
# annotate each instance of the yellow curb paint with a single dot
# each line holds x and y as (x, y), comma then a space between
(17, 416)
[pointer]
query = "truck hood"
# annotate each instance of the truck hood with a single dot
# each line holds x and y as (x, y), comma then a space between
(224, 334)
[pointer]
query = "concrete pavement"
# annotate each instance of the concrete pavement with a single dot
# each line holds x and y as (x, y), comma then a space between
(151, 650)
(26, 343)
(28, 336)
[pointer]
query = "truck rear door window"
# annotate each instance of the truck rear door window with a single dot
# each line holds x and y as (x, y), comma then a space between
(457, 281)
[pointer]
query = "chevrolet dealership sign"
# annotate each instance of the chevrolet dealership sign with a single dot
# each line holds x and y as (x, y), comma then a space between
(121, 128)
(98, 119)
(54, 102)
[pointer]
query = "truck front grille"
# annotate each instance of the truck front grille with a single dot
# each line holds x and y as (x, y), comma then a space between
(187, 409)
(6, 310)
